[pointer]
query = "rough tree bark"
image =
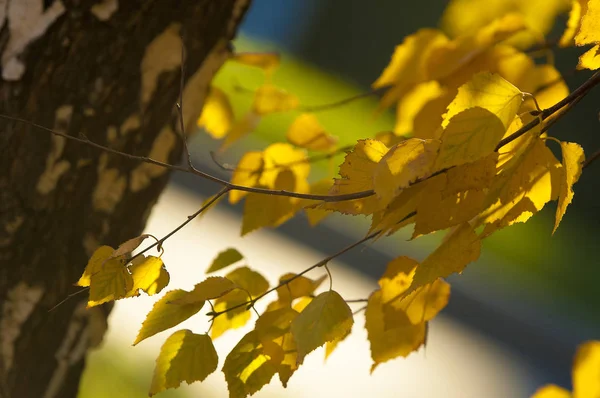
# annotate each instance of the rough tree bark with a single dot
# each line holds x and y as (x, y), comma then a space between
(110, 70)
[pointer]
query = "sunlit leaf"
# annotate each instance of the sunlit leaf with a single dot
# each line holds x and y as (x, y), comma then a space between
(589, 28)
(586, 370)
(271, 99)
(390, 342)
(225, 259)
(94, 264)
(306, 132)
(330, 346)
(209, 289)
(568, 37)
(572, 161)
(590, 59)
(128, 246)
(165, 315)
(551, 391)
(299, 287)
(326, 318)
(217, 115)
(247, 173)
(110, 282)
(420, 306)
(184, 356)
(240, 129)
(149, 275)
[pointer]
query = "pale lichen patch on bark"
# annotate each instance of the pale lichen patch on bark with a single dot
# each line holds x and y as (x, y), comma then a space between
(10, 227)
(109, 188)
(162, 146)
(105, 9)
(132, 123)
(27, 20)
(71, 350)
(111, 134)
(55, 168)
(19, 304)
(163, 54)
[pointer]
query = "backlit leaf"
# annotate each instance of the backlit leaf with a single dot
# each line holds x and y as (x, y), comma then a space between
(410, 105)
(589, 29)
(407, 162)
(184, 356)
(247, 173)
(572, 161)
(225, 259)
(217, 115)
(470, 135)
(94, 264)
(280, 157)
(240, 129)
(390, 342)
(551, 391)
(209, 289)
(420, 306)
(271, 99)
(488, 91)
(129, 246)
(165, 315)
(149, 275)
(301, 286)
(397, 278)
(110, 282)
(330, 346)
(326, 318)
(590, 59)
(306, 132)
(568, 37)
(586, 370)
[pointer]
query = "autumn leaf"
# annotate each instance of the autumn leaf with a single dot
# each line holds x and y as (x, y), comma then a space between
(225, 259)
(299, 287)
(99, 257)
(397, 277)
(590, 59)
(404, 164)
(410, 105)
(149, 275)
(271, 99)
(488, 91)
(240, 129)
(280, 157)
(390, 342)
(572, 162)
(266, 61)
(589, 28)
(129, 246)
(209, 289)
(217, 115)
(306, 132)
(573, 23)
(110, 282)
(326, 318)
(551, 391)
(247, 173)
(184, 356)
(420, 306)
(165, 315)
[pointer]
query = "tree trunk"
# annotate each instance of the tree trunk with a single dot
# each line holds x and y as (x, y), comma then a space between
(109, 70)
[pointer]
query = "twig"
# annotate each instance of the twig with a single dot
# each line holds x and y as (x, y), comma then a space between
(591, 159)
(325, 107)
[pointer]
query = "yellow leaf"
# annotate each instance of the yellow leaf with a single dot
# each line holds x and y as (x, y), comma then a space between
(270, 99)
(94, 264)
(407, 162)
(251, 284)
(279, 157)
(573, 158)
(240, 129)
(589, 29)
(551, 391)
(330, 346)
(165, 315)
(357, 175)
(316, 215)
(390, 342)
(262, 210)
(112, 281)
(523, 188)
(420, 306)
(149, 275)
(461, 247)
(590, 59)
(267, 61)
(463, 17)
(326, 318)
(306, 132)
(410, 105)
(299, 287)
(247, 173)
(400, 212)
(586, 370)
(389, 138)
(128, 246)
(568, 37)
(209, 289)
(274, 324)
(217, 116)
(225, 259)
(469, 135)
(407, 66)
(488, 91)
(184, 356)
(397, 278)
(453, 55)
(455, 197)
(248, 367)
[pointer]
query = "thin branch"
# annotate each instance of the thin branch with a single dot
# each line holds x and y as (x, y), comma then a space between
(364, 300)
(591, 159)
(333, 105)
(312, 267)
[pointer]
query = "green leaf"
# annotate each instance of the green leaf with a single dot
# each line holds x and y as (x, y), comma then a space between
(184, 356)
(225, 259)
(165, 315)
(326, 318)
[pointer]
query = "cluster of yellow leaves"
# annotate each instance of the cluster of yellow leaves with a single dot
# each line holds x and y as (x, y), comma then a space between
(586, 375)
(583, 28)
(112, 277)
